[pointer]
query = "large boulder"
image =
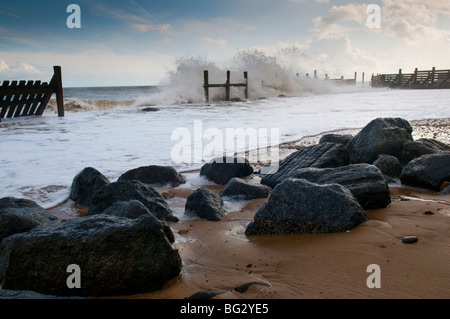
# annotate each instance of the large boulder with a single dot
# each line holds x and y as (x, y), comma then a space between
(205, 204)
(298, 206)
(156, 175)
(19, 215)
(335, 138)
(85, 184)
(380, 136)
(115, 256)
(364, 181)
(220, 170)
(27, 294)
(238, 189)
(423, 146)
(128, 190)
(389, 165)
(134, 209)
(428, 171)
(320, 155)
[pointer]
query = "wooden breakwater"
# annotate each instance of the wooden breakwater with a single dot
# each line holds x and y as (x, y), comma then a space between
(428, 79)
(227, 85)
(25, 98)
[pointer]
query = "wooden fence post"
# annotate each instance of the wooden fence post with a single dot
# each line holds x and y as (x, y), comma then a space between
(246, 84)
(227, 87)
(206, 85)
(57, 78)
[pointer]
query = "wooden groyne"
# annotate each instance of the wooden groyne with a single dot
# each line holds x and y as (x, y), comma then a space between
(227, 85)
(429, 79)
(24, 98)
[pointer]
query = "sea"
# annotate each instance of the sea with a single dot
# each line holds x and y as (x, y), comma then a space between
(115, 129)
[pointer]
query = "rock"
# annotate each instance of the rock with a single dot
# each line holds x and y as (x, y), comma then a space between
(445, 191)
(134, 209)
(423, 146)
(389, 165)
(157, 175)
(205, 204)
(115, 255)
(428, 171)
(238, 188)
(205, 294)
(128, 190)
(85, 184)
(26, 294)
(21, 215)
(320, 155)
(221, 170)
(150, 109)
(380, 136)
(129, 209)
(365, 181)
(410, 239)
(335, 138)
(298, 206)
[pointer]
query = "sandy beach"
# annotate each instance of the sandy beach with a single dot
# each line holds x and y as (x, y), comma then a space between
(217, 256)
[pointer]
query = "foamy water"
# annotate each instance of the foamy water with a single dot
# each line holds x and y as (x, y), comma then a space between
(39, 156)
(106, 128)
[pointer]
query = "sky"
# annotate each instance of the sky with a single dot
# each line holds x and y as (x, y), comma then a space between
(137, 42)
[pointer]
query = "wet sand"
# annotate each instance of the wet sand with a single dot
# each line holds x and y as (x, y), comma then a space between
(218, 257)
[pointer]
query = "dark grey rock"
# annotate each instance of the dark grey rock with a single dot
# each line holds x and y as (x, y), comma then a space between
(116, 256)
(238, 188)
(410, 239)
(134, 209)
(154, 174)
(445, 191)
(221, 170)
(205, 294)
(380, 136)
(19, 215)
(389, 165)
(320, 155)
(335, 138)
(85, 184)
(298, 206)
(129, 209)
(127, 190)
(365, 181)
(423, 146)
(26, 294)
(205, 204)
(428, 171)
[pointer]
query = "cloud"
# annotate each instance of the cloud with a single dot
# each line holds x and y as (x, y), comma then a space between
(333, 22)
(20, 70)
(412, 21)
(415, 21)
(92, 67)
(218, 42)
(150, 27)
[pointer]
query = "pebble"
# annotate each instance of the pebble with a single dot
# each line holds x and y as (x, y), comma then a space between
(410, 239)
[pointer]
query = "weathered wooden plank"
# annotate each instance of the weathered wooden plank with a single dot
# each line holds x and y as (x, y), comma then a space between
(4, 102)
(12, 105)
(29, 99)
(36, 101)
(21, 99)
